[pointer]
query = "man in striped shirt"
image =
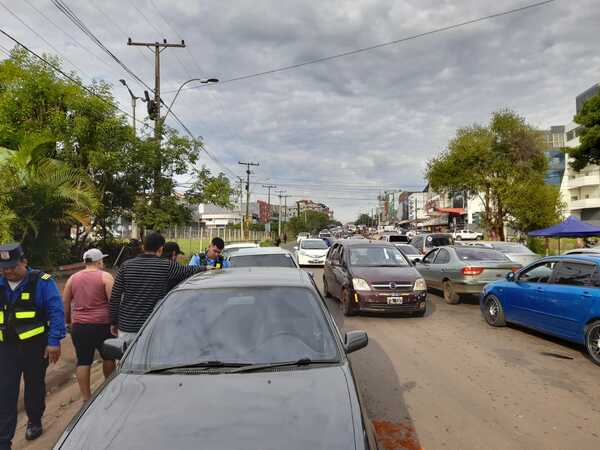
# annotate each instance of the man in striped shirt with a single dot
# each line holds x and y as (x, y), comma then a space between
(140, 283)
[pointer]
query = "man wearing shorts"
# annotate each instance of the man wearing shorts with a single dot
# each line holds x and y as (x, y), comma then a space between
(86, 301)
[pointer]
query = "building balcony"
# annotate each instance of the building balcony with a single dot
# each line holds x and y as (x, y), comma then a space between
(585, 203)
(590, 180)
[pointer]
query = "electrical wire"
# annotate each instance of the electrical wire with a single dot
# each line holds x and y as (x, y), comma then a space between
(381, 45)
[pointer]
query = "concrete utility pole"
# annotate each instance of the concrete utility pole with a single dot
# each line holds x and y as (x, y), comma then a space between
(269, 187)
(285, 197)
(248, 164)
(241, 206)
(280, 196)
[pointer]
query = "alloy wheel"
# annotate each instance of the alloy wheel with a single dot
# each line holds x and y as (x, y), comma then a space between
(593, 341)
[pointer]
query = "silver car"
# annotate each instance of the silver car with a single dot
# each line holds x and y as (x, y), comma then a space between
(262, 257)
(515, 251)
(458, 270)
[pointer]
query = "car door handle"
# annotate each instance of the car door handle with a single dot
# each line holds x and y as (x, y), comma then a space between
(539, 289)
(586, 294)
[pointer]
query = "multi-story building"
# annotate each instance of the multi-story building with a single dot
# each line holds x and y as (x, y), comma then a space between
(416, 207)
(554, 140)
(309, 205)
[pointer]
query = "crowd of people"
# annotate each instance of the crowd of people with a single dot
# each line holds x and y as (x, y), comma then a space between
(94, 306)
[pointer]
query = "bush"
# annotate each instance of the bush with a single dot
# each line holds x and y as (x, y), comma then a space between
(267, 243)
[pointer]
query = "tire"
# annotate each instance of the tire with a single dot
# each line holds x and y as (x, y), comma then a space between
(420, 313)
(493, 311)
(479, 238)
(592, 340)
(347, 307)
(458, 238)
(450, 295)
(325, 288)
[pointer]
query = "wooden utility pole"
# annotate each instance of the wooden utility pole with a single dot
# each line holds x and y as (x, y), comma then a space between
(248, 172)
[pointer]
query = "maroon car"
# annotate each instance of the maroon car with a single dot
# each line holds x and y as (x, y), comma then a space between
(370, 276)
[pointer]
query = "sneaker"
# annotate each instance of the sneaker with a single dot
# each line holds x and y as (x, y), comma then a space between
(33, 431)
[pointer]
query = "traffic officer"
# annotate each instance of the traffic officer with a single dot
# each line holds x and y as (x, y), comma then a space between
(212, 257)
(32, 324)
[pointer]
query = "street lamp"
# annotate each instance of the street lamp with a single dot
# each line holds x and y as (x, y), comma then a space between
(133, 100)
(200, 80)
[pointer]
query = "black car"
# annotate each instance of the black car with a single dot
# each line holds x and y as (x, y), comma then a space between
(426, 242)
(239, 359)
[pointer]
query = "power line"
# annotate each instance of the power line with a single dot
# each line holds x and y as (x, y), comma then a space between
(384, 44)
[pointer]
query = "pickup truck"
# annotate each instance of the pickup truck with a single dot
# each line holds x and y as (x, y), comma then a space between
(467, 235)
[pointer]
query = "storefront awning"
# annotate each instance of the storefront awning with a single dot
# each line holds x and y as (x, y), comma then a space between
(457, 211)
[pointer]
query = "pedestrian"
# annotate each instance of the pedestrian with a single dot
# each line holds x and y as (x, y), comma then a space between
(285, 238)
(212, 256)
(32, 324)
(140, 283)
(85, 299)
(172, 251)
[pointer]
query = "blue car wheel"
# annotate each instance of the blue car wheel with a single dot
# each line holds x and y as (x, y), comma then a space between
(592, 340)
(493, 312)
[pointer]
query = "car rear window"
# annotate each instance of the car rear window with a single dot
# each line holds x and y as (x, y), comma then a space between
(479, 254)
(313, 244)
(262, 261)
(398, 238)
(438, 241)
(408, 250)
(513, 248)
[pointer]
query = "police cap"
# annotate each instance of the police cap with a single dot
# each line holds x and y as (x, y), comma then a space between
(10, 255)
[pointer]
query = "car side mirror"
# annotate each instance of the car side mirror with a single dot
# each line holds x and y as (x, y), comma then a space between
(510, 276)
(114, 348)
(416, 260)
(355, 340)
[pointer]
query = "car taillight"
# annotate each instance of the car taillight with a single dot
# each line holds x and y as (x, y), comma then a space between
(472, 270)
(515, 269)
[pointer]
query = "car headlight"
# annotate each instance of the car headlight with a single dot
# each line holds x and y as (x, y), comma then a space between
(360, 284)
(420, 285)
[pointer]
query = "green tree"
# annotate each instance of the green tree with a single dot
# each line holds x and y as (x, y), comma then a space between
(46, 196)
(309, 222)
(588, 151)
(498, 163)
(363, 219)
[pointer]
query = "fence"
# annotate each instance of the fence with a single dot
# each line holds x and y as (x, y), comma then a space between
(194, 238)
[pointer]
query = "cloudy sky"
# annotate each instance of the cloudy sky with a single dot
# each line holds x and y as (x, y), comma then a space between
(341, 130)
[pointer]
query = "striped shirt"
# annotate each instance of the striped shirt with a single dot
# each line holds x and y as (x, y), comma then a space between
(140, 283)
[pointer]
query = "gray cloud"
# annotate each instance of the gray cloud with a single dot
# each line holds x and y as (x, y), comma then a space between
(363, 122)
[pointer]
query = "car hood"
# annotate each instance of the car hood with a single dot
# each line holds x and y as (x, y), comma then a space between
(406, 275)
(297, 409)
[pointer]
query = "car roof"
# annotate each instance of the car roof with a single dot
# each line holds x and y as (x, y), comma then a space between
(241, 245)
(365, 243)
(260, 251)
(248, 277)
(588, 257)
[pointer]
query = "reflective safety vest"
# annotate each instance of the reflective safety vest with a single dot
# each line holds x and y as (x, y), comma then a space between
(204, 260)
(22, 320)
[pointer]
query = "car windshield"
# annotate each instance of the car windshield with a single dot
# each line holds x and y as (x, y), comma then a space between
(313, 244)
(280, 260)
(512, 248)
(377, 257)
(408, 250)
(479, 254)
(398, 238)
(438, 241)
(249, 325)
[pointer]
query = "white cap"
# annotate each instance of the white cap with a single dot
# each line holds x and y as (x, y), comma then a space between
(94, 255)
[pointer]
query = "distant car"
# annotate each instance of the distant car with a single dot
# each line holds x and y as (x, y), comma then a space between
(357, 236)
(234, 247)
(515, 251)
(373, 277)
(583, 251)
(263, 257)
(311, 252)
(235, 359)
(425, 242)
(411, 253)
(557, 295)
(467, 235)
(463, 270)
(302, 236)
(324, 234)
(395, 238)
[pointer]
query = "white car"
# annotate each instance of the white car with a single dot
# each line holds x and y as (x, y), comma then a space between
(302, 236)
(234, 247)
(311, 252)
(467, 235)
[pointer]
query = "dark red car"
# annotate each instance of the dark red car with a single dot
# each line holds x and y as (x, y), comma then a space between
(373, 276)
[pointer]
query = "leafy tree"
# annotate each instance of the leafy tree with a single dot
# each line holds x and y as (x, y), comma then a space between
(498, 163)
(588, 151)
(309, 222)
(47, 197)
(363, 219)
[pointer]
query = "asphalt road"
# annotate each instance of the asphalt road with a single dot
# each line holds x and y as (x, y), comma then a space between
(450, 381)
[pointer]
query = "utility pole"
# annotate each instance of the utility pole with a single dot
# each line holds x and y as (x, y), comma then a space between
(248, 164)
(285, 197)
(269, 187)
(154, 105)
(241, 206)
(280, 196)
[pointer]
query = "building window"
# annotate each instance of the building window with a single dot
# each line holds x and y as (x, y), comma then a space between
(574, 199)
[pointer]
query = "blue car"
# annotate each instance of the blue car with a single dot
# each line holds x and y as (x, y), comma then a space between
(555, 295)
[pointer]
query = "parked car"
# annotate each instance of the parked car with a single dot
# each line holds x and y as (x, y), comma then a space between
(373, 276)
(425, 242)
(558, 295)
(231, 360)
(325, 234)
(394, 238)
(467, 235)
(302, 236)
(515, 251)
(411, 253)
(459, 270)
(263, 257)
(583, 251)
(229, 249)
(311, 252)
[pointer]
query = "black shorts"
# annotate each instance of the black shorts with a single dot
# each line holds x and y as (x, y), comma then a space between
(87, 338)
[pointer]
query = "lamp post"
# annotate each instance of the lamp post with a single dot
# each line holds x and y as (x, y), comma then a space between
(200, 80)
(134, 98)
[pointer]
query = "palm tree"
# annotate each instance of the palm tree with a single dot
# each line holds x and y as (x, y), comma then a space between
(46, 196)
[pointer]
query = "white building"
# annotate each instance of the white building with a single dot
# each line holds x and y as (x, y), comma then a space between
(215, 216)
(416, 206)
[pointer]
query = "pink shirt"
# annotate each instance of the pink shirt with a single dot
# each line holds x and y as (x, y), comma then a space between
(89, 304)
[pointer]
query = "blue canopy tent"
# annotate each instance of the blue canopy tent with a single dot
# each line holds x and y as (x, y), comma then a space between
(572, 227)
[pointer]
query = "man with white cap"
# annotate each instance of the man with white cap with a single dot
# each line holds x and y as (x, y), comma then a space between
(86, 302)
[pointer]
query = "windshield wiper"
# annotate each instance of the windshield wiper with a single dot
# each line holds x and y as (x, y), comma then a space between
(299, 362)
(203, 364)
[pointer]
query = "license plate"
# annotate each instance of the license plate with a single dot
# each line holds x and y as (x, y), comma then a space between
(315, 261)
(395, 300)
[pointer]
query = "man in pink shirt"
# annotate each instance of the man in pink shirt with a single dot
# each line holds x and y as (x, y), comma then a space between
(86, 300)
